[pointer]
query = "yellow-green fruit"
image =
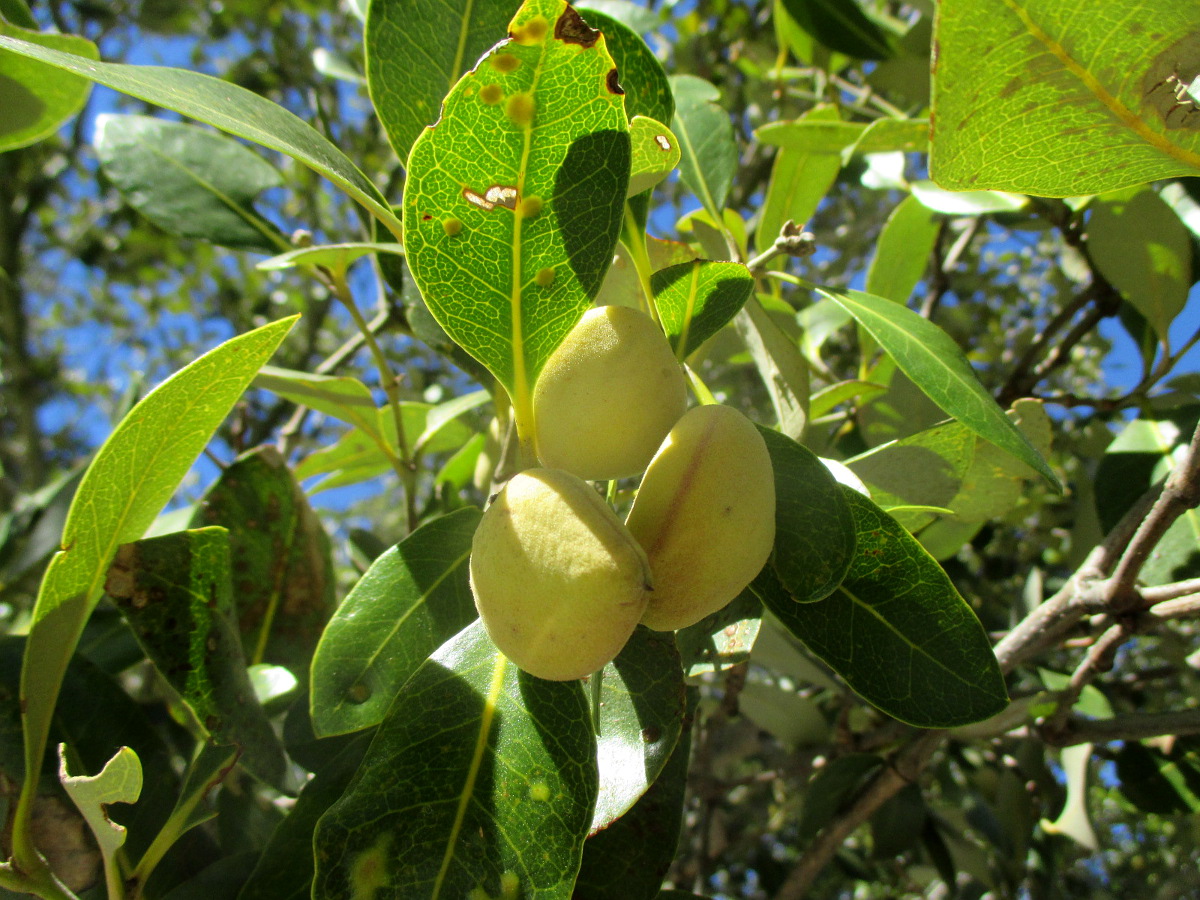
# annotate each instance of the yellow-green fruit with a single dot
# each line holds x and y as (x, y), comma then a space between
(559, 582)
(607, 396)
(705, 514)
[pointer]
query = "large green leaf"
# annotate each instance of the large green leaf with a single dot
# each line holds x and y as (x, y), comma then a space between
(697, 299)
(176, 592)
(1067, 103)
(417, 50)
(284, 578)
(413, 599)
(508, 239)
(640, 713)
(814, 527)
(188, 180)
(647, 90)
(799, 179)
(902, 251)
(934, 362)
(228, 107)
(709, 149)
(130, 479)
(481, 777)
(38, 98)
(897, 630)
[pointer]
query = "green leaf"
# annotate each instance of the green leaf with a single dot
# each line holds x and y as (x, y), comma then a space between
(697, 299)
(228, 107)
(629, 859)
(1156, 781)
(120, 781)
(842, 26)
(189, 181)
(721, 639)
(439, 419)
(37, 98)
(655, 153)
(810, 135)
(647, 89)
(709, 157)
(902, 251)
(897, 630)
(1065, 105)
(17, 12)
(966, 203)
(413, 599)
(481, 777)
(415, 53)
(129, 481)
(284, 586)
(814, 526)
(791, 718)
(1073, 821)
(540, 202)
(1144, 250)
(176, 593)
(932, 359)
(780, 364)
(639, 715)
(832, 788)
(799, 179)
(340, 396)
(337, 257)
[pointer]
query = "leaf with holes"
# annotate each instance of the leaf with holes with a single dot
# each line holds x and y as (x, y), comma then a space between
(508, 238)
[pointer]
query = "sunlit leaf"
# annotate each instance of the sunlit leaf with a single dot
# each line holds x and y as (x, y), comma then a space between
(902, 251)
(38, 98)
(799, 179)
(780, 364)
(697, 299)
(707, 143)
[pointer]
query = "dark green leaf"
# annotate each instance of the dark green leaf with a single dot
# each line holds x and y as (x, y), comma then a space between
(175, 592)
(706, 141)
(641, 710)
(541, 201)
(697, 299)
(480, 777)
(413, 599)
(814, 525)
(220, 881)
(283, 581)
(932, 359)
(721, 639)
(188, 180)
(1162, 783)
(897, 630)
(228, 107)
(840, 25)
(416, 52)
(38, 98)
(832, 788)
(17, 12)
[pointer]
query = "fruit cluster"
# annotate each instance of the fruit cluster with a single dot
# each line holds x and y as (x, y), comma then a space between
(559, 581)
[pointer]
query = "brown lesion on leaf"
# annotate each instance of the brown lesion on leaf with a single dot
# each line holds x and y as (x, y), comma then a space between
(664, 143)
(612, 82)
(571, 29)
(1165, 87)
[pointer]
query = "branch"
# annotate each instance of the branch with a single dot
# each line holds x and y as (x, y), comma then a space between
(1134, 727)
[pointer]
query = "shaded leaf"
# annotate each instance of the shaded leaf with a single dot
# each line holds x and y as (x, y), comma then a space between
(498, 796)
(932, 359)
(1159, 782)
(840, 25)
(780, 364)
(413, 599)
(832, 788)
(697, 299)
(721, 639)
(175, 592)
(896, 629)
(282, 567)
(541, 199)
(120, 781)
(707, 143)
(792, 719)
(1065, 106)
(189, 181)
(38, 98)
(416, 51)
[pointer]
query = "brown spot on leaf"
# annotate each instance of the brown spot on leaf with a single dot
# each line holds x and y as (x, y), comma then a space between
(1167, 80)
(571, 29)
(612, 83)
(491, 94)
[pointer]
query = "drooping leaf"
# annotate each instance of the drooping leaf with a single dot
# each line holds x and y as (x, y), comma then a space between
(130, 479)
(641, 710)
(1065, 106)
(697, 299)
(540, 200)
(902, 251)
(897, 630)
(780, 364)
(38, 98)
(933, 361)
(413, 599)
(707, 143)
(497, 796)
(416, 51)
(800, 178)
(284, 580)
(840, 25)
(188, 180)
(814, 525)
(1145, 252)
(228, 107)
(176, 593)
(337, 257)
(629, 859)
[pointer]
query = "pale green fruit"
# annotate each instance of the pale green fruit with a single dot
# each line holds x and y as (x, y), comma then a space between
(607, 396)
(559, 582)
(705, 514)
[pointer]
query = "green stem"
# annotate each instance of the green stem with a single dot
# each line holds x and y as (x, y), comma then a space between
(699, 388)
(634, 239)
(42, 883)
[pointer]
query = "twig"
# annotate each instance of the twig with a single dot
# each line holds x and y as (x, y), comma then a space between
(793, 240)
(1163, 592)
(1134, 727)
(1099, 658)
(1180, 608)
